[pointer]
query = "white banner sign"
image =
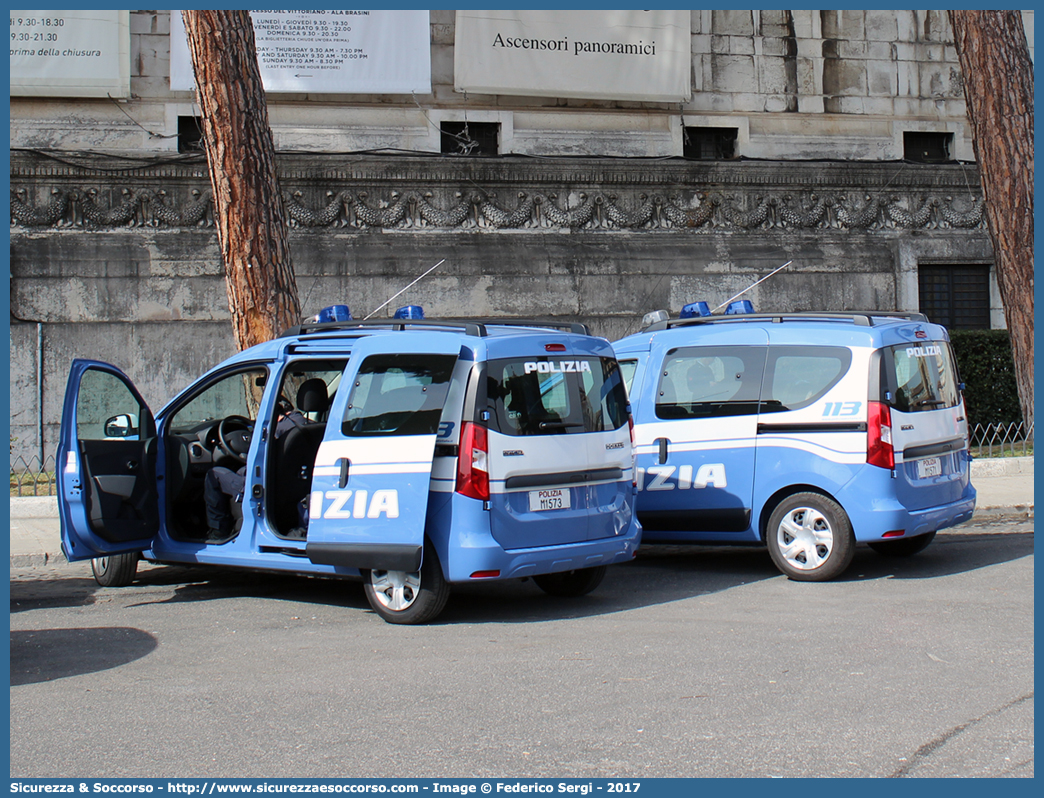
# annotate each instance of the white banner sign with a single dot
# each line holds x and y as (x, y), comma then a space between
(612, 55)
(328, 52)
(70, 53)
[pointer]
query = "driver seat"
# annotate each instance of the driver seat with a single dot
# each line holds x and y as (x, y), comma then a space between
(294, 457)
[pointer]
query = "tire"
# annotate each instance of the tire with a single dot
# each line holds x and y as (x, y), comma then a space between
(903, 547)
(409, 598)
(810, 538)
(117, 570)
(570, 584)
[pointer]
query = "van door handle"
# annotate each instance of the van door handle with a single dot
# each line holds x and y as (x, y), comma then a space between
(663, 449)
(345, 463)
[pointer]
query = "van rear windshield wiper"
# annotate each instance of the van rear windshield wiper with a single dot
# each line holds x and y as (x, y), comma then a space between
(932, 402)
(559, 424)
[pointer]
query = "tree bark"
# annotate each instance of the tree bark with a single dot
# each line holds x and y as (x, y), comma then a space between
(248, 207)
(998, 89)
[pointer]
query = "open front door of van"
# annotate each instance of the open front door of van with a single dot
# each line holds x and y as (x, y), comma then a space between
(107, 493)
(369, 494)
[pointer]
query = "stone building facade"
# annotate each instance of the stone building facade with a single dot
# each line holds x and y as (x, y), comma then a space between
(835, 139)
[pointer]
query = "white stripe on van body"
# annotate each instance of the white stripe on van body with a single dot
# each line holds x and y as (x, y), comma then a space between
(826, 445)
(375, 468)
(383, 455)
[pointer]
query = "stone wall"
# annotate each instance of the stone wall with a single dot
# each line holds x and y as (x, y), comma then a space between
(589, 214)
(124, 266)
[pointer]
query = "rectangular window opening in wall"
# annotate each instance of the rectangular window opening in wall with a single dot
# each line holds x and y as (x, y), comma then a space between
(709, 143)
(957, 297)
(190, 134)
(470, 138)
(930, 147)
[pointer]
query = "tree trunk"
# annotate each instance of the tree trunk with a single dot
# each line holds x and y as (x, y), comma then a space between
(998, 89)
(248, 207)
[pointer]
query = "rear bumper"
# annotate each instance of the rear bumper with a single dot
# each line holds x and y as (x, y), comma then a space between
(470, 548)
(519, 563)
(871, 524)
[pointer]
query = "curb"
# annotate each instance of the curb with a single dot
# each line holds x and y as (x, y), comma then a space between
(37, 560)
(34, 506)
(1001, 467)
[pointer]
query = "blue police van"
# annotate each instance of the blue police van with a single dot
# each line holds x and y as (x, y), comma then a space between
(804, 432)
(424, 453)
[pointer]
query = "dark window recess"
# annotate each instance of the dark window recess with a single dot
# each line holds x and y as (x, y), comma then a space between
(470, 138)
(709, 143)
(190, 134)
(928, 147)
(957, 297)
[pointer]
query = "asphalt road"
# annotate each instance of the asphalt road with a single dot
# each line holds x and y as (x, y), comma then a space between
(687, 662)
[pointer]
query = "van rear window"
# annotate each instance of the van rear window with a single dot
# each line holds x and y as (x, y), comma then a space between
(555, 395)
(922, 376)
(398, 395)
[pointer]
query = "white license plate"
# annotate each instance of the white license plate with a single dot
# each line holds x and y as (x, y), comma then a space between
(555, 499)
(929, 467)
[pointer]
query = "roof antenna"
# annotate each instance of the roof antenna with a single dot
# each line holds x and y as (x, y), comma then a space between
(429, 271)
(745, 290)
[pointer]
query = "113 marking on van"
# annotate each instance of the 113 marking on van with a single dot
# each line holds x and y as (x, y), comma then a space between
(383, 501)
(842, 408)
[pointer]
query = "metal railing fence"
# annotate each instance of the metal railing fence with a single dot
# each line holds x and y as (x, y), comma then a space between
(33, 477)
(1002, 440)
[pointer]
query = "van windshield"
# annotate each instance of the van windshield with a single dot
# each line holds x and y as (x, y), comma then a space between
(555, 395)
(923, 377)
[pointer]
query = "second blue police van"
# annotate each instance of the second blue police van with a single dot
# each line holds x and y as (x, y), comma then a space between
(805, 432)
(425, 453)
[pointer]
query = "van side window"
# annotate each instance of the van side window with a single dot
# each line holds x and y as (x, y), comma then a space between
(398, 395)
(627, 369)
(703, 382)
(795, 377)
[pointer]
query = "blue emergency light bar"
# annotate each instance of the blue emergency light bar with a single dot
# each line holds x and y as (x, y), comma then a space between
(409, 312)
(694, 309)
(739, 306)
(334, 313)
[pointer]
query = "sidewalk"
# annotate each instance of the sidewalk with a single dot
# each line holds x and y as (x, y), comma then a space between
(1005, 487)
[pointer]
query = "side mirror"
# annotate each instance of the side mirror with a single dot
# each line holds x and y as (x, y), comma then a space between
(123, 426)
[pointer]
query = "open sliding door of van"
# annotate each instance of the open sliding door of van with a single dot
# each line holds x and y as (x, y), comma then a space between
(370, 484)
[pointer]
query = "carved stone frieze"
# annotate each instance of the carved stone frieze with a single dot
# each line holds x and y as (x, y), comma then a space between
(502, 194)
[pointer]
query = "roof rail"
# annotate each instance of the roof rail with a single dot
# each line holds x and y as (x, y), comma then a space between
(861, 318)
(474, 327)
(569, 326)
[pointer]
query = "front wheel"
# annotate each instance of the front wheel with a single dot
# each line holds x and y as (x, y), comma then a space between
(810, 537)
(115, 571)
(570, 584)
(903, 547)
(409, 597)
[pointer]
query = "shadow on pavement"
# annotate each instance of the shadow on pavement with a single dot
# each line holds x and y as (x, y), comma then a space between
(947, 555)
(659, 575)
(43, 655)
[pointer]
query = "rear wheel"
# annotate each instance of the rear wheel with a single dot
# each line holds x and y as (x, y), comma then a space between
(903, 547)
(115, 571)
(409, 597)
(810, 537)
(574, 583)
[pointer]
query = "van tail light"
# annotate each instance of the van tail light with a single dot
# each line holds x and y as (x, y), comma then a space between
(473, 462)
(879, 450)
